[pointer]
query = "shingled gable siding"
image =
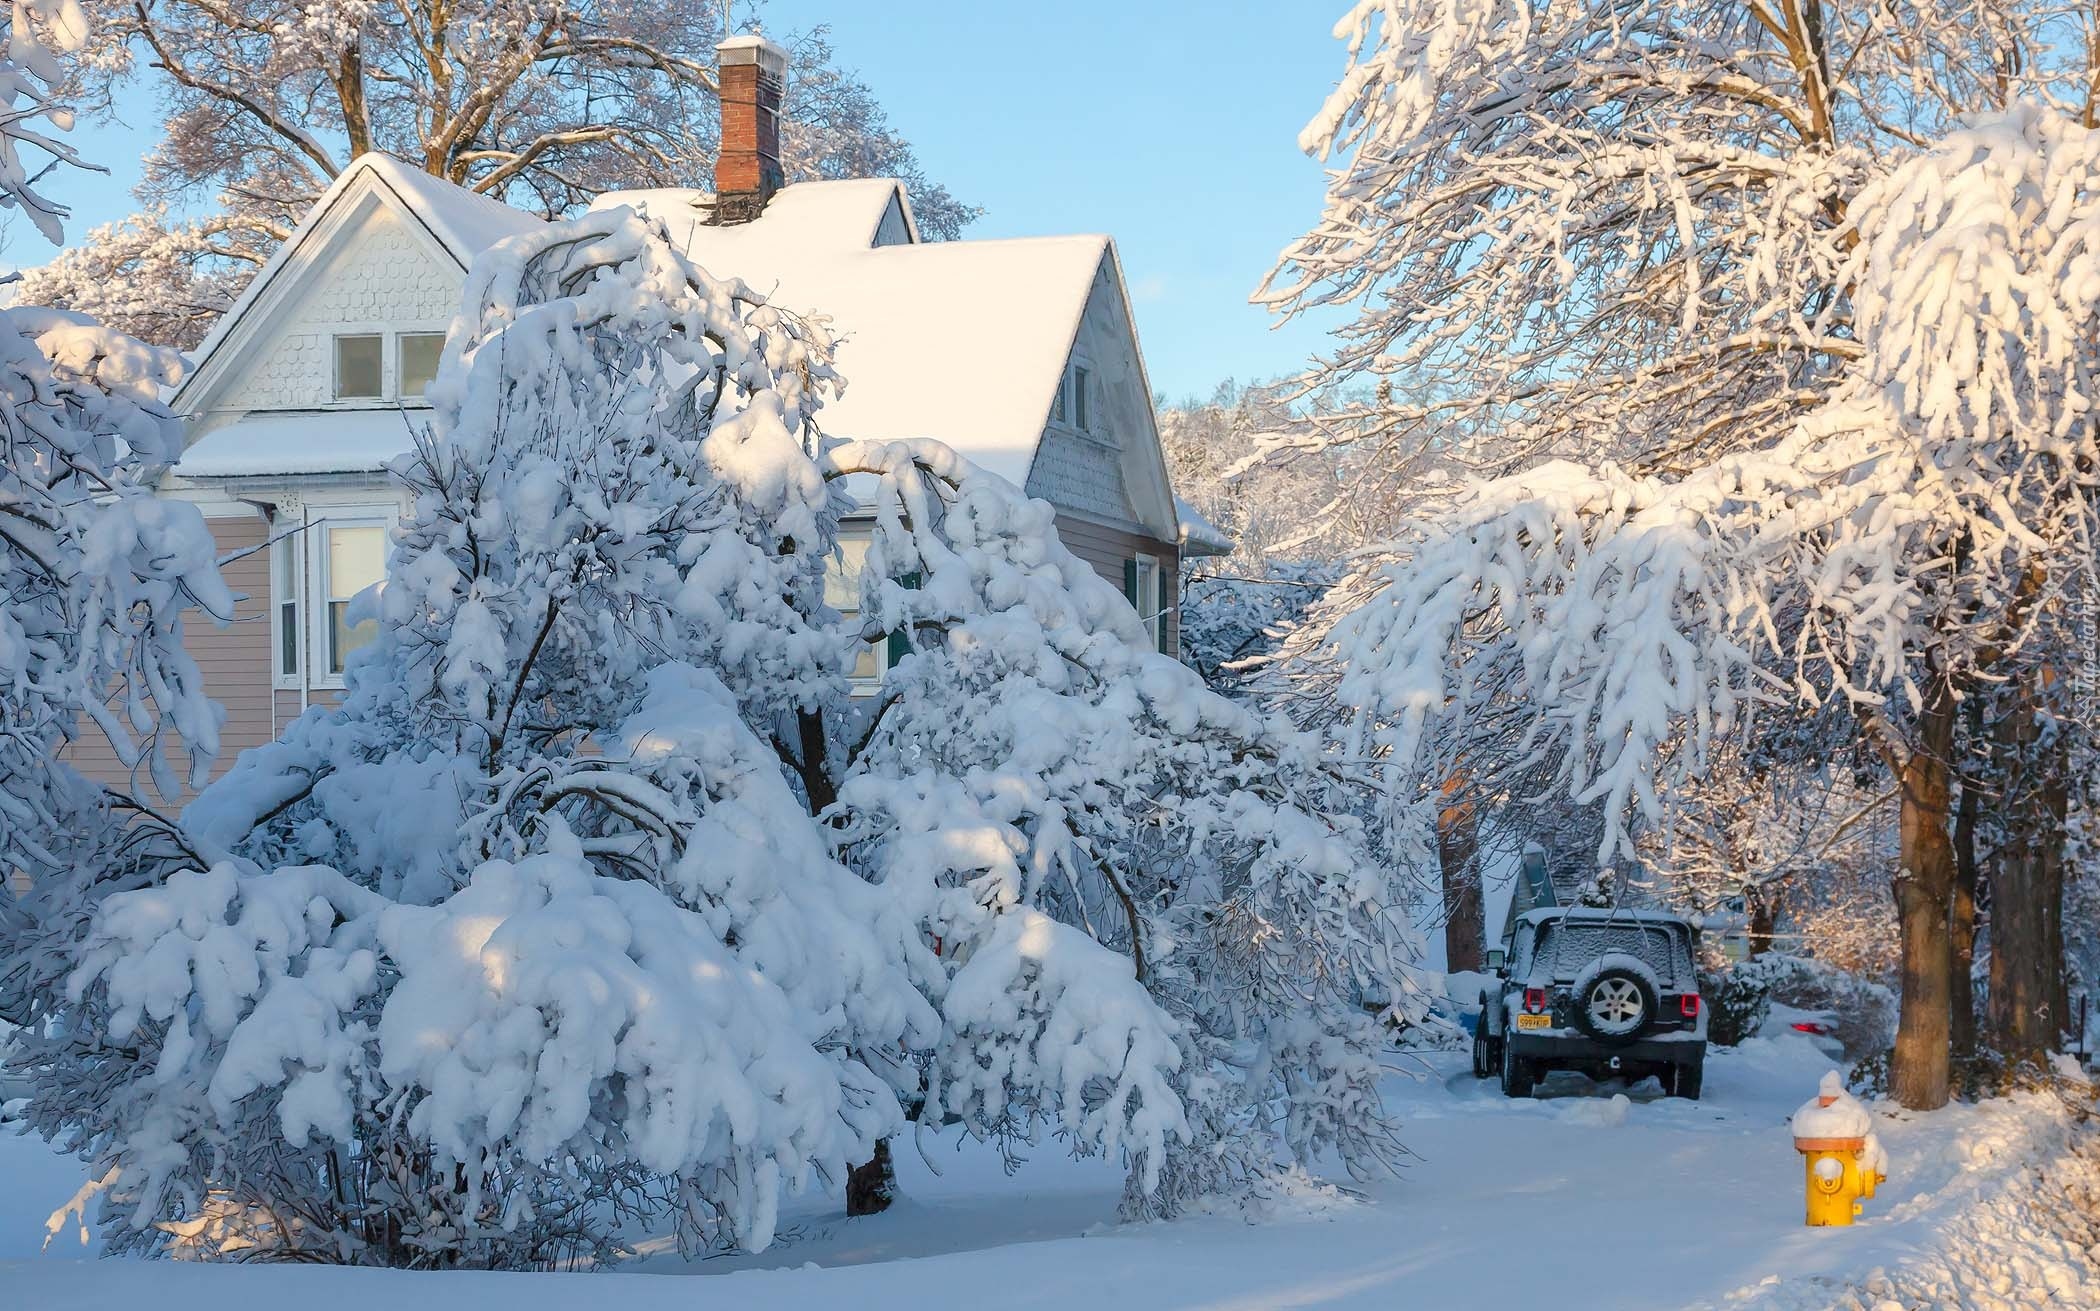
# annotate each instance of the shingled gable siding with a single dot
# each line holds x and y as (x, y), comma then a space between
(235, 661)
(1107, 548)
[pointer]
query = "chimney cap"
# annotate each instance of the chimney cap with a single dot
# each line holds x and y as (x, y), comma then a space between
(752, 48)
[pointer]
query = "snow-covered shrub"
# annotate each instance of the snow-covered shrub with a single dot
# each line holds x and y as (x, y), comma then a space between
(533, 928)
(597, 896)
(95, 577)
(1032, 756)
(1737, 998)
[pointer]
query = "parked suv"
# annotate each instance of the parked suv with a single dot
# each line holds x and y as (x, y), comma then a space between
(1612, 993)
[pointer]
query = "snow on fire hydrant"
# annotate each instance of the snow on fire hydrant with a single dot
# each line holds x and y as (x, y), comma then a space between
(1835, 1137)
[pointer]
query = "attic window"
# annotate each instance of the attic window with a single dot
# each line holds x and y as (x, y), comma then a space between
(357, 367)
(1080, 378)
(419, 361)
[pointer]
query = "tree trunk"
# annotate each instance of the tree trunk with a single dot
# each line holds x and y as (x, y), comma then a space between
(1458, 852)
(1924, 892)
(872, 1186)
(1962, 918)
(1763, 908)
(2027, 986)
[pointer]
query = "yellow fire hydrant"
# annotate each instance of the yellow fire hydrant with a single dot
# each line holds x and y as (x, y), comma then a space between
(1843, 1158)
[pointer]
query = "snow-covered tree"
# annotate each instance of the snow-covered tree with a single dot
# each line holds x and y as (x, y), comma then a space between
(543, 105)
(598, 896)
(1039, 786)
(1599, 230)
(1906, 540)
(95, 575)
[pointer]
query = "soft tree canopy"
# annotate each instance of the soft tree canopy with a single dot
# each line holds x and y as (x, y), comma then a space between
(1627, 231)
(95, 576)
(542, 105)
(599, 897)
(1910, 537)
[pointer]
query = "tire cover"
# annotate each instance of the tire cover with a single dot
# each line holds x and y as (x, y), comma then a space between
(1616, 976)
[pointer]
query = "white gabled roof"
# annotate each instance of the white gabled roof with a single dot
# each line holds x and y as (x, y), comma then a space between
(459, 221)
(965, 341)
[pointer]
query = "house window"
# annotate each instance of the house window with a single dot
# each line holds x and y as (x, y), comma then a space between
(353, 558)
(419, 353)
(1141, 586)
(1080, 379)
(357, 359)
(284, 594)
(842, 593)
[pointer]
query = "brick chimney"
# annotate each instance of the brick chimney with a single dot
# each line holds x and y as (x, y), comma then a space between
(753, 74)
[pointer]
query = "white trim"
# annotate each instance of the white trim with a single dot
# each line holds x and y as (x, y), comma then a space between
(315, 619)
(1152, 612)
(291, 548)
(337, 334)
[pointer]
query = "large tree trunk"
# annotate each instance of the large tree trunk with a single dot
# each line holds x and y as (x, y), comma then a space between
(1924, 892)
(1762, 904)
(871, 1187)
(1962, 918)
(1458, 852)
(2027, 986)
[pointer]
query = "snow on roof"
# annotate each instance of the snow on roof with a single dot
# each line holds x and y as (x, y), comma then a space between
(835, 217)
(465, 221)
(327, 441)
(1199, 536)
(964, 341)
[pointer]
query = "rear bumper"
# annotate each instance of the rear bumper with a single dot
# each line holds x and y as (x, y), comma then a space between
(1560, 1045)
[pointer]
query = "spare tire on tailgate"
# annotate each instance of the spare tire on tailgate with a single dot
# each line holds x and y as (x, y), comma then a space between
(1616, 998)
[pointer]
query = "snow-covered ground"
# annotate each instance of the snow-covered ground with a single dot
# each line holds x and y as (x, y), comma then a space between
(1582, 1199)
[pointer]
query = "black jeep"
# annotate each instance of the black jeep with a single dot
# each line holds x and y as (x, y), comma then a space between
(1612, 993)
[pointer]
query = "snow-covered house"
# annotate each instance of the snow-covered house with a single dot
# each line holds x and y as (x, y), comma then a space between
(1022, 354)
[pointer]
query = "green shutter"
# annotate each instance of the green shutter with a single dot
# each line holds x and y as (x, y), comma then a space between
(899, 644)
(1130, 581)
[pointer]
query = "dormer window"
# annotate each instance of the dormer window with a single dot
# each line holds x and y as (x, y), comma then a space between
(419, 361)
(1075, 400)
(357, 366)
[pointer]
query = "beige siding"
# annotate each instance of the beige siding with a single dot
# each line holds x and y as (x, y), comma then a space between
(290, 702)
(1106, 548)
(235, 661)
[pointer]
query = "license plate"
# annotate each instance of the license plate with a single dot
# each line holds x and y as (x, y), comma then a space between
(1534, 1021)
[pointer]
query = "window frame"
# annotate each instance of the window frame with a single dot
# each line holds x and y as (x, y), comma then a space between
(1153, 613)
(313, 600)
(336, 339)
(287, 572)
(399, 374)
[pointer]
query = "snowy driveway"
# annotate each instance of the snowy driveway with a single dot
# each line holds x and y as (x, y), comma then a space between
(1575, 1201)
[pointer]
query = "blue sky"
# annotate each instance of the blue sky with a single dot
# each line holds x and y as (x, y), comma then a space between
(1171, 126)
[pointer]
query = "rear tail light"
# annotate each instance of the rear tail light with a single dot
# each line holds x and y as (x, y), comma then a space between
(1688, 1006)
(1535, 1000)
(1810, 1026)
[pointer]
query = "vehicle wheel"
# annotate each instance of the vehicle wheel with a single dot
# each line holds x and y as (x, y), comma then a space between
(1483, 1047)
(1616, 1004)
(1685, 1081)
(1519, 1076)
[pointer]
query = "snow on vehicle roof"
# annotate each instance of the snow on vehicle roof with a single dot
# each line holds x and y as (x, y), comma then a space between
(1603, 915)
(964, 341)
(311, 442)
